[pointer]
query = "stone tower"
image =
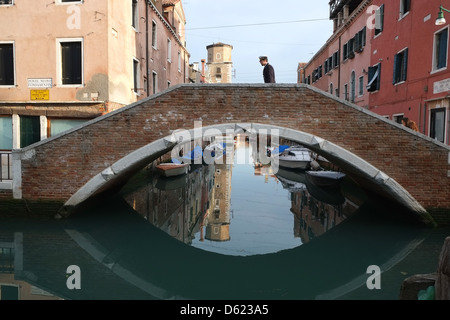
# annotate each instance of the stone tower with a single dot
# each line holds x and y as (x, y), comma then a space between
(219, 64)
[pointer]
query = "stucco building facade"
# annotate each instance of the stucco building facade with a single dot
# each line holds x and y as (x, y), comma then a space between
(65, 62)
(391, 58)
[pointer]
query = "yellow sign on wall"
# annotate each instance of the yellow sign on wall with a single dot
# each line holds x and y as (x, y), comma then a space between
(39, 94)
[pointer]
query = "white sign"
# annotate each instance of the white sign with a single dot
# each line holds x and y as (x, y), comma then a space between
(40, 83)
(441, 86)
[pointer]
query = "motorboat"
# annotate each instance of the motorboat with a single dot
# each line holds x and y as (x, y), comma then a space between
(325, 178)
(276, 150)
(294, 157)
(214, 152)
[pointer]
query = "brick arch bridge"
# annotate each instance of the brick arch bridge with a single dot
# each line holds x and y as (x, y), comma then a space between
(101, 154)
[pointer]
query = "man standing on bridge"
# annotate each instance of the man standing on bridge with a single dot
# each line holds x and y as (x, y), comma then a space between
(268, 71)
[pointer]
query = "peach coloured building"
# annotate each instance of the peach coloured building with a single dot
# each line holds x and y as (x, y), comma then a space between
(65, 62)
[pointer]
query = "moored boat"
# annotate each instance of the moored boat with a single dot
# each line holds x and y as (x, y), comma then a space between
(214, 152)
(325, 178)
(295, 157)
(170, 169)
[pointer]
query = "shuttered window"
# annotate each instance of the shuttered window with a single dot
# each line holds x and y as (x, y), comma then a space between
(374, 78)
(71, 62)
(379, 20)
(400, 66)
(440, 49)
(6, 64)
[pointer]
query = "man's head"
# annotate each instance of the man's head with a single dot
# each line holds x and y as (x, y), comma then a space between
(263, 60)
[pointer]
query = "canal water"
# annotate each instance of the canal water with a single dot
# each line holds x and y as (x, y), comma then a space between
(235, 230)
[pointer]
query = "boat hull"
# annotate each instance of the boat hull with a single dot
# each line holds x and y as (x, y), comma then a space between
(172, 169)
(325, 178)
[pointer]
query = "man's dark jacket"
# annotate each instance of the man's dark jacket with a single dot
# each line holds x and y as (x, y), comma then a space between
(269, 74)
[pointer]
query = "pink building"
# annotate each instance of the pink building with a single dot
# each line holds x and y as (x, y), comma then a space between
(390, 57)
(411, 53)
(340, 66)
(65, 62)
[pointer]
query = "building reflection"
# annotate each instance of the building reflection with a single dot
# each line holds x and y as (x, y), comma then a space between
(200, 201)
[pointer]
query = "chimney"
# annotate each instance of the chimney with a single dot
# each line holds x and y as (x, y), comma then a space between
(202, 78)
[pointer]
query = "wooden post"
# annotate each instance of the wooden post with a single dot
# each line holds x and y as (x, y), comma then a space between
(442, 285)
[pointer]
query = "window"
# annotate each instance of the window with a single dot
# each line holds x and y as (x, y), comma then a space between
(374, 78)
(345, 50)
(169, 50)
(352, 86)
(71, 62)
(360, 40)
(168, 84)
(6, 142)
(68, 1)
(361, 86)
(60, 125)
(346, 91)
(335, 59)
(331, 88)
(400, 66)
(155, 82)
(6, 2)
(154, 33)
(404, 7)
(7, 64)
(379, 19)
(179, 62)
(440, 49)
(437, 124)
(136, 76)
(135, 14)
(30, 130)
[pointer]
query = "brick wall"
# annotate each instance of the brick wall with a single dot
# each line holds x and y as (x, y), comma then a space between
(64, 164)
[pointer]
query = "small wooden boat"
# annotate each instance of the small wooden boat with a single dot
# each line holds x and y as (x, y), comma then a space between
(325, 178)
(170, 169)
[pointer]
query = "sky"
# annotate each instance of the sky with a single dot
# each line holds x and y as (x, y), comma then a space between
(288, 32)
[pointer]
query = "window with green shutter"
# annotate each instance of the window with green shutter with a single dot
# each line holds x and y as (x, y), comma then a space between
(400, 66)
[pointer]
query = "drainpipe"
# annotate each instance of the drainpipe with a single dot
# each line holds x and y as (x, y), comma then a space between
(339, 69)
(146, 47)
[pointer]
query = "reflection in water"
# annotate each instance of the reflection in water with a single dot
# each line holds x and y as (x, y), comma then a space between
(132, 245)
(269, 212)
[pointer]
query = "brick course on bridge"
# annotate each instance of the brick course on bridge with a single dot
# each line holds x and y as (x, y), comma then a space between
(56, 168)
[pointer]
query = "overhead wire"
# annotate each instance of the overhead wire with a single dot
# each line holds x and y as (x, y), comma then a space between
(256, 24)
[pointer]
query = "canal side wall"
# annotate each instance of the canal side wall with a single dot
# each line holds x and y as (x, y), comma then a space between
(55, 168)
